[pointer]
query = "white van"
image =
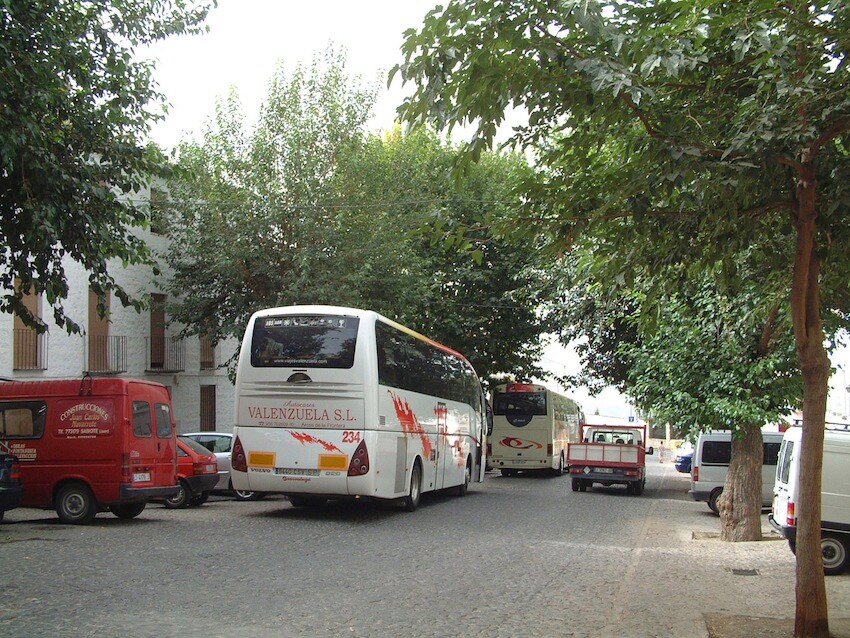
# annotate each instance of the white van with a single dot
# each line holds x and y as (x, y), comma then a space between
(712, 454)
(835, 496)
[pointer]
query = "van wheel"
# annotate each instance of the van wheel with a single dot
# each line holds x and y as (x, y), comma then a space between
(712, 500)
(463, 488)
(181, 499)
(835, 554)
(75, 504)
(127, 511)
(411, 501)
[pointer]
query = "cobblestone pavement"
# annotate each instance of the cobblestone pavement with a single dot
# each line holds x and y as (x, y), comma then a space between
(522, 556)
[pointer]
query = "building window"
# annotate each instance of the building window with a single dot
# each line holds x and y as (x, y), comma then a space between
(207, 353)
(159, 204)
(30, 351)
(157, 361)
(208, 408)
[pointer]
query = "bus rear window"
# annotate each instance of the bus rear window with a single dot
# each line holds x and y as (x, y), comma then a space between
(520, 404)
(304, 341)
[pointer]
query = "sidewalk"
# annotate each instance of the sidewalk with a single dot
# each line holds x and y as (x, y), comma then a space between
(724, 590)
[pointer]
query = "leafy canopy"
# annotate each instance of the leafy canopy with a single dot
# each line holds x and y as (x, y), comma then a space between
(74, 108)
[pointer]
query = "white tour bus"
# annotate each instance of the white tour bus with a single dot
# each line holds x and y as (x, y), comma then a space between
(532, 427)
(336, 402)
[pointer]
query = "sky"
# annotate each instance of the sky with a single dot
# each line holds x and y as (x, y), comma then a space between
(247, 40)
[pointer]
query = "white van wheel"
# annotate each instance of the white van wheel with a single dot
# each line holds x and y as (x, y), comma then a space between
(835, 555)
(712, 499)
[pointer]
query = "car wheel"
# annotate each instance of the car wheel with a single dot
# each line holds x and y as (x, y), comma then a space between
(127, 511)
(835, 554)
(75, 504)
(181, 499)
(712, 499)
(199, 499)
(243, 495)
(463, 488)
(411, 501)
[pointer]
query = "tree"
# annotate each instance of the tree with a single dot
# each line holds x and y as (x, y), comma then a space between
(734, 119)
(74, 109)
(307, 208)
(710, 355)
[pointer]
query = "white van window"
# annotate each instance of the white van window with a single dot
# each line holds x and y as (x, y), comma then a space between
(783, 471)
(720, 453)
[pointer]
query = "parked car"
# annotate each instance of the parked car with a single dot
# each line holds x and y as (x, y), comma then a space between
(684, 456)
(10, 483)
(197, 474)
(219, 443)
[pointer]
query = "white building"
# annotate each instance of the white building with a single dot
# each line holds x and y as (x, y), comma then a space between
(131, 344)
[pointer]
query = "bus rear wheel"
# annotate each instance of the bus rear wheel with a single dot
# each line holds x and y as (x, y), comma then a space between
(411, 501)
(463, 488)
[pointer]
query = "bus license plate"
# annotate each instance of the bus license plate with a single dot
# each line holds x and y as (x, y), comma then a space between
(603, 470)
(296, 471)
(141, 477)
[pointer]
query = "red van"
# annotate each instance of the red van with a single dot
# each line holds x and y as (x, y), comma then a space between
(91, 444)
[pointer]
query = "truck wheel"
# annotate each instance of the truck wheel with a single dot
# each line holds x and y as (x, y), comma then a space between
(835, 554)
(582, 485)
(127, 511)
(75, 504)
(181, 499)
(712, 499)
(575, 485)
(637, 488)
(411, 501)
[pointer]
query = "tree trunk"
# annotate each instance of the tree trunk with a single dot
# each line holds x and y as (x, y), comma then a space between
(740, 503)
(811, 619)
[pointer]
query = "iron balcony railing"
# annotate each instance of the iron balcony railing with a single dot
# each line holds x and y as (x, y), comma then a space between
(30, 349)
(165, 354)
(107, 354)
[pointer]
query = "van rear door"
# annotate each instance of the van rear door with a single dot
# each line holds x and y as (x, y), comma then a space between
(153, 447)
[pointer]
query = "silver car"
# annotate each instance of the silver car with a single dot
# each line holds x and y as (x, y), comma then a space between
(220, 443)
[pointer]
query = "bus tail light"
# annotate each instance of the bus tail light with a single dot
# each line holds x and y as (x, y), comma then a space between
(359, 461)
(238, 460)
(791, 514)
(549, 449)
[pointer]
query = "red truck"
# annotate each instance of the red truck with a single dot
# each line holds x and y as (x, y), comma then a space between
(609, 455)
(91, 444)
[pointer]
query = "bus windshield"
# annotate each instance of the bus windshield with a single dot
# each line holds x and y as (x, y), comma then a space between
(304, 341)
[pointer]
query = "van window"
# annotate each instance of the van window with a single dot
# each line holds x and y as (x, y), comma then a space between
(22, 419)
(142, 418)
(720, 453)
(163, 420)
(783, 470)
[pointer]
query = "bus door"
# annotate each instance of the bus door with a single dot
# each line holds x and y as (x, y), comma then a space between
(444, 454)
